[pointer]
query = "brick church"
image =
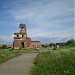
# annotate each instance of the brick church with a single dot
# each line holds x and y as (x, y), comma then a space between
(22, 41)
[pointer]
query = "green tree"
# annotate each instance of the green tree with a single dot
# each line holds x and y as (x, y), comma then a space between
(70, 42)
(4, 46)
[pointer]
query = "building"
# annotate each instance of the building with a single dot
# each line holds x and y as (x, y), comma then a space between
(35, 44)
(22, 41)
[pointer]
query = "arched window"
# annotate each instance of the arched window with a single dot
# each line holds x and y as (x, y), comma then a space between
(22, 35)
(17, 35)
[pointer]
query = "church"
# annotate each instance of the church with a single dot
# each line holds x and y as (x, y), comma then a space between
(22, 41)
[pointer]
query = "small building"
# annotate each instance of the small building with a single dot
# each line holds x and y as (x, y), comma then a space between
(22, 41)
(35, 44)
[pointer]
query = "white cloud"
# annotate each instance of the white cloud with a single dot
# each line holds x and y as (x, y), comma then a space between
(38, 11)
(6, 39)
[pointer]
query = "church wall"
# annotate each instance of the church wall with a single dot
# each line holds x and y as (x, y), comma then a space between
(17, 44)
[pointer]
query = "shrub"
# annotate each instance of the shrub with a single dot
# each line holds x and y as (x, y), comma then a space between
(4, 46)
(70, 42)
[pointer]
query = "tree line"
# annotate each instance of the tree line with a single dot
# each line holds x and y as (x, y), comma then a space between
(70, 42)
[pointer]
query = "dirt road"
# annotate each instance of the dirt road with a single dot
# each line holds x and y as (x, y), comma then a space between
(20, 65)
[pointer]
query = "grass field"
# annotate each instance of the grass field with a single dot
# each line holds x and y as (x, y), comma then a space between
(55, 62)
(10, 53)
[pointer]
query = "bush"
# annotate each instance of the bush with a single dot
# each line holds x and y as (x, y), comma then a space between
(70, 42)
(0, 47)
(4, 46)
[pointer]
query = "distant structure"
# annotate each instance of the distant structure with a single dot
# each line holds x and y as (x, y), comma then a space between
(22, 41)
(35, 44)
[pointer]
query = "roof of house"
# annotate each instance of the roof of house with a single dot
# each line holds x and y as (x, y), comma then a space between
(35, 41)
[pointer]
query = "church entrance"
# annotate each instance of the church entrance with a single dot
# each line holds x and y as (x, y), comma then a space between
(22, 44)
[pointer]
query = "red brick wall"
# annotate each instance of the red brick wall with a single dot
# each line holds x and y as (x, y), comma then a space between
(35, 44)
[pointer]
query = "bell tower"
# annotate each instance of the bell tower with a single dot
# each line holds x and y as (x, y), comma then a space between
(22, 30)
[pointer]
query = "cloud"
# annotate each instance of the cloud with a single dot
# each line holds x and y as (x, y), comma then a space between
(6, 39)
(42, 15)
(52, 39)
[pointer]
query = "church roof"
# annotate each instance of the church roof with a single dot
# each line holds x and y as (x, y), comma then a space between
(35, 41)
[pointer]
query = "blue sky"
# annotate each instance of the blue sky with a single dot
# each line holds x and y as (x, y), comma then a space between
(46, 20)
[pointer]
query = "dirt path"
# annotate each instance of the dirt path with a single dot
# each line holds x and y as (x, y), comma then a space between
(20, 65)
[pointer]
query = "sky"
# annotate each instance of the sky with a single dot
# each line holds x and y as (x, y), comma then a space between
(46, 20)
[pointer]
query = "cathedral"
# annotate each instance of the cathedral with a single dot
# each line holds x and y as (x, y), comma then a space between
(22, 41)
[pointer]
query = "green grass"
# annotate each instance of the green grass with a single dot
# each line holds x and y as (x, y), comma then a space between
(10, 53)
(55, 62)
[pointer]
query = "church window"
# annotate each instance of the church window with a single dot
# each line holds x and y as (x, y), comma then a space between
(17, 35)
(22, 35)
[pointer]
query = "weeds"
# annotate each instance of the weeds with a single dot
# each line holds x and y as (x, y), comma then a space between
(58, 62)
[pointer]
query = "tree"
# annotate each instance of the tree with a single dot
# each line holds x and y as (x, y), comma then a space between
(70, 42)
(51, 44)
(4, 46)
